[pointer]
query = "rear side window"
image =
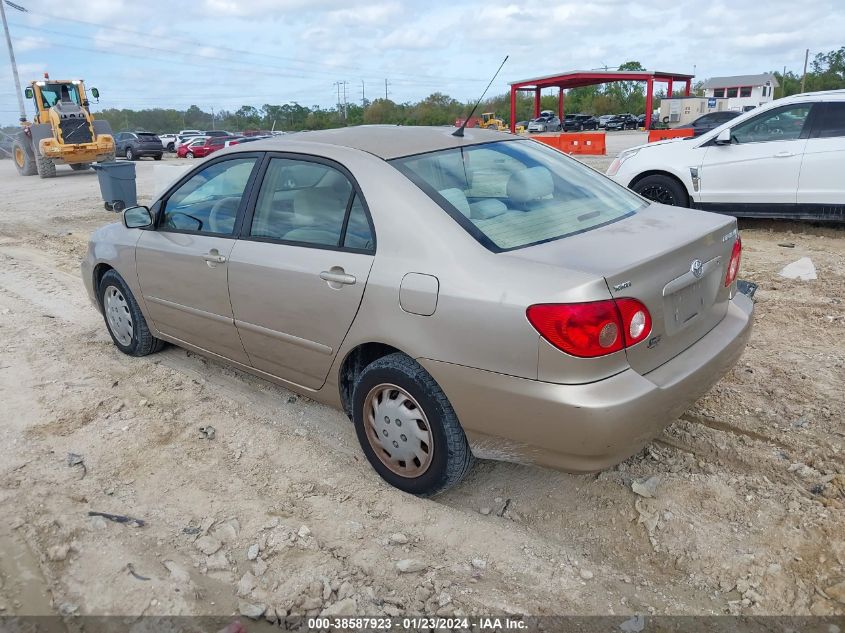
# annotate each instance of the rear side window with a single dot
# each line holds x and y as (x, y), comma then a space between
(513, 194)
(832, 121)
(310, 203)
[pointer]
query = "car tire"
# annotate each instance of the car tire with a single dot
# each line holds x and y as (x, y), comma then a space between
(396, 385)
(130, 155)
(156, 156)
(171, 147)
(189, 154)
(125, 322)
(662, 189)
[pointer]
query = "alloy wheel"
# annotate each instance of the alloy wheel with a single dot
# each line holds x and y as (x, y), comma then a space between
(20, 159)
(660, 194)
(118, 315)
(398, 430)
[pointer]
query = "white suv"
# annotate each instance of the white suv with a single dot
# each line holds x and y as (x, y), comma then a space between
(783, 160)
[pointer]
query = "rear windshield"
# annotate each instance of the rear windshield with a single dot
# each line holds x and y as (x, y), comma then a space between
(512, 194)
(147, 135)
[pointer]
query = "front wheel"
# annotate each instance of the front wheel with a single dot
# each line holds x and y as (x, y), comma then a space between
(124, 320)
(662, 189)
(130, 155)
(171, 147)
(189, 155)
(407, 427)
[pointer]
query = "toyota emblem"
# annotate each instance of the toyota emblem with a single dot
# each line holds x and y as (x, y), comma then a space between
(697, 268)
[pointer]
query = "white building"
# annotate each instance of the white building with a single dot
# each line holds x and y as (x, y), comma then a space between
(743, 92)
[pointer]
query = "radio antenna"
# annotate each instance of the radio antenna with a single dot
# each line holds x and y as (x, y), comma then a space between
(460, 131)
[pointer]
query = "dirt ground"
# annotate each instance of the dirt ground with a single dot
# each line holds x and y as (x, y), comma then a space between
(280, 515)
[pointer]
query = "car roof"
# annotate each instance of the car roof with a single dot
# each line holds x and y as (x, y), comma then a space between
(385, 141)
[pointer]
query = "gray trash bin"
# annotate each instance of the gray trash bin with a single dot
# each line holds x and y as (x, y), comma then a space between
(117, 184)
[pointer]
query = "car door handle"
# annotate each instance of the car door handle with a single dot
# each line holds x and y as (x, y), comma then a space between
(784, 154)
(337, 277)
(214, 257)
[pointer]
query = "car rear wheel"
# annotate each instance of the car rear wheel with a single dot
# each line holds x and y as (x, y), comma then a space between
(124, 320)
(662, 189)
(189, 155)
(156, 156)
(171, 147)
(407, 427)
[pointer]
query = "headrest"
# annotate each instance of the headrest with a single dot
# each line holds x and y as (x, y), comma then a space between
(321, 204)
(457, 199)
(530, 184)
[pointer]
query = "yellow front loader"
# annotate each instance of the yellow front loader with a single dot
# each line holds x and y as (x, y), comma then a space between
(63, 133)
(490, 121)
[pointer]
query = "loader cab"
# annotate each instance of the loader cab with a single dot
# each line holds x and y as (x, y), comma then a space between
(46, 94)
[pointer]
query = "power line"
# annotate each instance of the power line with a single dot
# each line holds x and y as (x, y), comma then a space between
(308, 63)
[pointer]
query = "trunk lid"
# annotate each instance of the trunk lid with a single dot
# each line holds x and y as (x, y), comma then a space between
(673, 260)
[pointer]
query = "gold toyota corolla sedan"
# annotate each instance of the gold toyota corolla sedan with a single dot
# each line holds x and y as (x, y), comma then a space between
(480, 296)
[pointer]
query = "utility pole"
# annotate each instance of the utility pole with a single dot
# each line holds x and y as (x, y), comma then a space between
(385, 89)
(12, 57)
(212, 119)
(345, 104)
(783, 87)
(804, 76)
(363, 95)
(337, 85)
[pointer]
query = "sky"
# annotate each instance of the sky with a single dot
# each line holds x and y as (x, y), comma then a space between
(222, 54)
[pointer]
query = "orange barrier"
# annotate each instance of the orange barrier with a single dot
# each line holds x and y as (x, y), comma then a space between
(662, 135)
(583, 143)
(577, 143)
(552, 141)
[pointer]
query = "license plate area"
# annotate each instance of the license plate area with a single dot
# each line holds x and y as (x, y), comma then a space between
(686, 305)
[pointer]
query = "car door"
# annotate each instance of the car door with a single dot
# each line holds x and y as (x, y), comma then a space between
(759, 168)
(298, 272)
(821, 188)
(182, 265)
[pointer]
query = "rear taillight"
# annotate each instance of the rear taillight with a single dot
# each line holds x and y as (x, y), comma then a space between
(733, 265)
(591, 329)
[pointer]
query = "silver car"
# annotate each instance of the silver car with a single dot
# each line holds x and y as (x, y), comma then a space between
(483, 296)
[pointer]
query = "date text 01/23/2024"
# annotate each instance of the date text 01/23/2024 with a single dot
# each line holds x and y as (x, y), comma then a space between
(422, 622)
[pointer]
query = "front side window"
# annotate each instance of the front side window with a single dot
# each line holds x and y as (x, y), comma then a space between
(512, 194)
(308, 202)
(832, 120)
(781, 124)
(208, 201)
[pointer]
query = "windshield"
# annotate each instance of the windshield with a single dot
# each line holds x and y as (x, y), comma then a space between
(512, 194)
(51, 94)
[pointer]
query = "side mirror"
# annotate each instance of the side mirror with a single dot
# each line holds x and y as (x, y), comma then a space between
(95, 93)
(724, 137)
(28, 93)
(137, 218)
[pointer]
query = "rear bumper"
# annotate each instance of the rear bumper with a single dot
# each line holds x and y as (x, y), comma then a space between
(589, 427)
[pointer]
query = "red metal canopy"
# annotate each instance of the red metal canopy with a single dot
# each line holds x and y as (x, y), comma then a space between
(581, 78)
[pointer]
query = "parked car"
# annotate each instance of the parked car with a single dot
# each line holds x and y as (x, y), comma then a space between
(216, 133)
(780, 160)
(186, 139)
(326, 262)
(709, 121)
(545, 123)
(579, 122)
(168, 141)
(604, 118)
(190, 133)
(135, 145)
(190, 148)
(621, 122)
